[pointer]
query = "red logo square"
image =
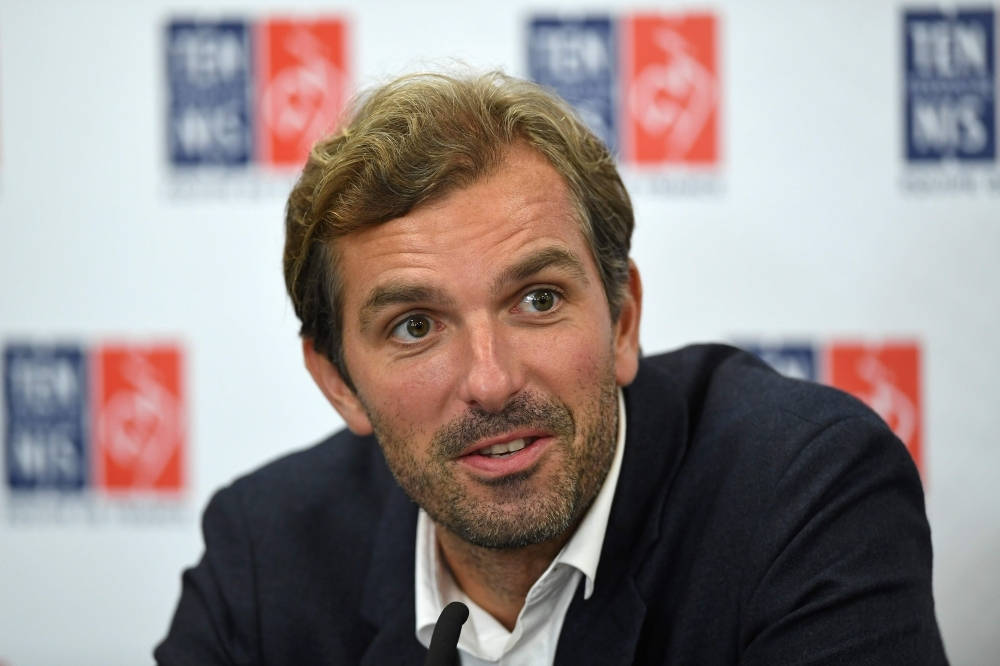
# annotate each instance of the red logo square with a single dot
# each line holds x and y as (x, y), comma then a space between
(139, 419)
(671, 96)
(887, 378)
(303, 86)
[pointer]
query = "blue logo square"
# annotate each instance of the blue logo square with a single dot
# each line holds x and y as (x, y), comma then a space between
(791, 360)
(577, 58)
(45, 437)
(950, 85)
(210, 93)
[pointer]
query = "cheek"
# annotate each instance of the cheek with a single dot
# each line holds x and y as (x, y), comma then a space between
(576, 359)
(411, 394)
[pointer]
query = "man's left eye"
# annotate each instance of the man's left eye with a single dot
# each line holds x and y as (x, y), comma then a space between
(541, 300)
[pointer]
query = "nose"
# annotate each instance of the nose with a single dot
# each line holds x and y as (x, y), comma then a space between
(493, 373)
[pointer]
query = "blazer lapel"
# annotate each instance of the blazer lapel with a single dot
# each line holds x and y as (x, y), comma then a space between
(602, 630)
(605, 628)
(388, 598)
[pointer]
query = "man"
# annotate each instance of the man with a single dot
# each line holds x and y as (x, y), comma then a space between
(458, 257)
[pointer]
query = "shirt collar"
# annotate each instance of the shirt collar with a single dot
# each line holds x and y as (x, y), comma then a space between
(582, 552)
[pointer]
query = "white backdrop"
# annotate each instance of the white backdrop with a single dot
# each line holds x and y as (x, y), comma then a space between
(810, 236)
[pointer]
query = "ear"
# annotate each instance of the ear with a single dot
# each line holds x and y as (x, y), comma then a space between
(336, 390)
(627, 329)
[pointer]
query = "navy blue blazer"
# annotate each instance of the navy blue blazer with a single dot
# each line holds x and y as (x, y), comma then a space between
(757, 520)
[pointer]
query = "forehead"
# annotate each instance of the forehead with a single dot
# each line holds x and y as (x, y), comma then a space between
(470, 233)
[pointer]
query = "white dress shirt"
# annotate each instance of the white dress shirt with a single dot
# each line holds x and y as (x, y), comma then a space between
(484, 641)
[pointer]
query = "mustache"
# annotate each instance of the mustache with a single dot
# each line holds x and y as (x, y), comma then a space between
(524, 410)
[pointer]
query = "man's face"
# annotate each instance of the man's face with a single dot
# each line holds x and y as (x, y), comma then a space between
(478, 337)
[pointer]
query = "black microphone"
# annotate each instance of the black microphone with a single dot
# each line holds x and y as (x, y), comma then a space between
(443, 650)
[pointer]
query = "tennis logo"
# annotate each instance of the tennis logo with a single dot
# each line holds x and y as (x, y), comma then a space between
(672, 90)
(45, 417)
(242, 93)
(647, 84)
(887, 378)
(110, 419)
(950, 82)
(139, 431)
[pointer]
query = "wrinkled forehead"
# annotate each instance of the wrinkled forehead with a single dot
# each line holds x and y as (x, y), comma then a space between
(517, 157)
(523, 207)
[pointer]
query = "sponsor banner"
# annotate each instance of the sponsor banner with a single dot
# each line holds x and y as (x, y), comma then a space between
(949, 108)
(91, 427)
(247, 99)
(885, 376)
(647, 84)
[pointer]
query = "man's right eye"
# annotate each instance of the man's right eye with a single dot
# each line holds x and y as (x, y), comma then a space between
(413, 328)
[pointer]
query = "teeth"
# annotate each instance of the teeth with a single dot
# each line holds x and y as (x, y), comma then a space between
(506, 447)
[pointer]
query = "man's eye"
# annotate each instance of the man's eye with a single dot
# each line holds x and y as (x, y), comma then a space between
(413, 328)
(541, 300)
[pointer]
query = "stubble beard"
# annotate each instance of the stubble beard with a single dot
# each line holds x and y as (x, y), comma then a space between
(517, 510)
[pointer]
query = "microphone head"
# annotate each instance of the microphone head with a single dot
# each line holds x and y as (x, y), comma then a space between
(443, 649)
(455, 614)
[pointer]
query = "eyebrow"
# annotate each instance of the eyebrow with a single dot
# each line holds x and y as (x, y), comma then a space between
(404, 293)
(396, 293)
(536, 262)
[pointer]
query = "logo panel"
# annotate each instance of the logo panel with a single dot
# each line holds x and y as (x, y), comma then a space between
(578, 58)
(672, 92)
(303, 88)
(209, 114)
(139, 419)
(950, 70)
(45, 389)
(887, 378)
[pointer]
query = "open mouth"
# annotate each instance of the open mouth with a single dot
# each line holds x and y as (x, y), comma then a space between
(502, 459)
(505, 449)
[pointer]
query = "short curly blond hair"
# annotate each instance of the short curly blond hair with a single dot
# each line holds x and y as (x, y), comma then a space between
(418, 138)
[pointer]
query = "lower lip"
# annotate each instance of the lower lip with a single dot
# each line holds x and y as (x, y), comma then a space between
(500, 466)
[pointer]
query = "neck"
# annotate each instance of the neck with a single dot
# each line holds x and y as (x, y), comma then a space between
(497, 580)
